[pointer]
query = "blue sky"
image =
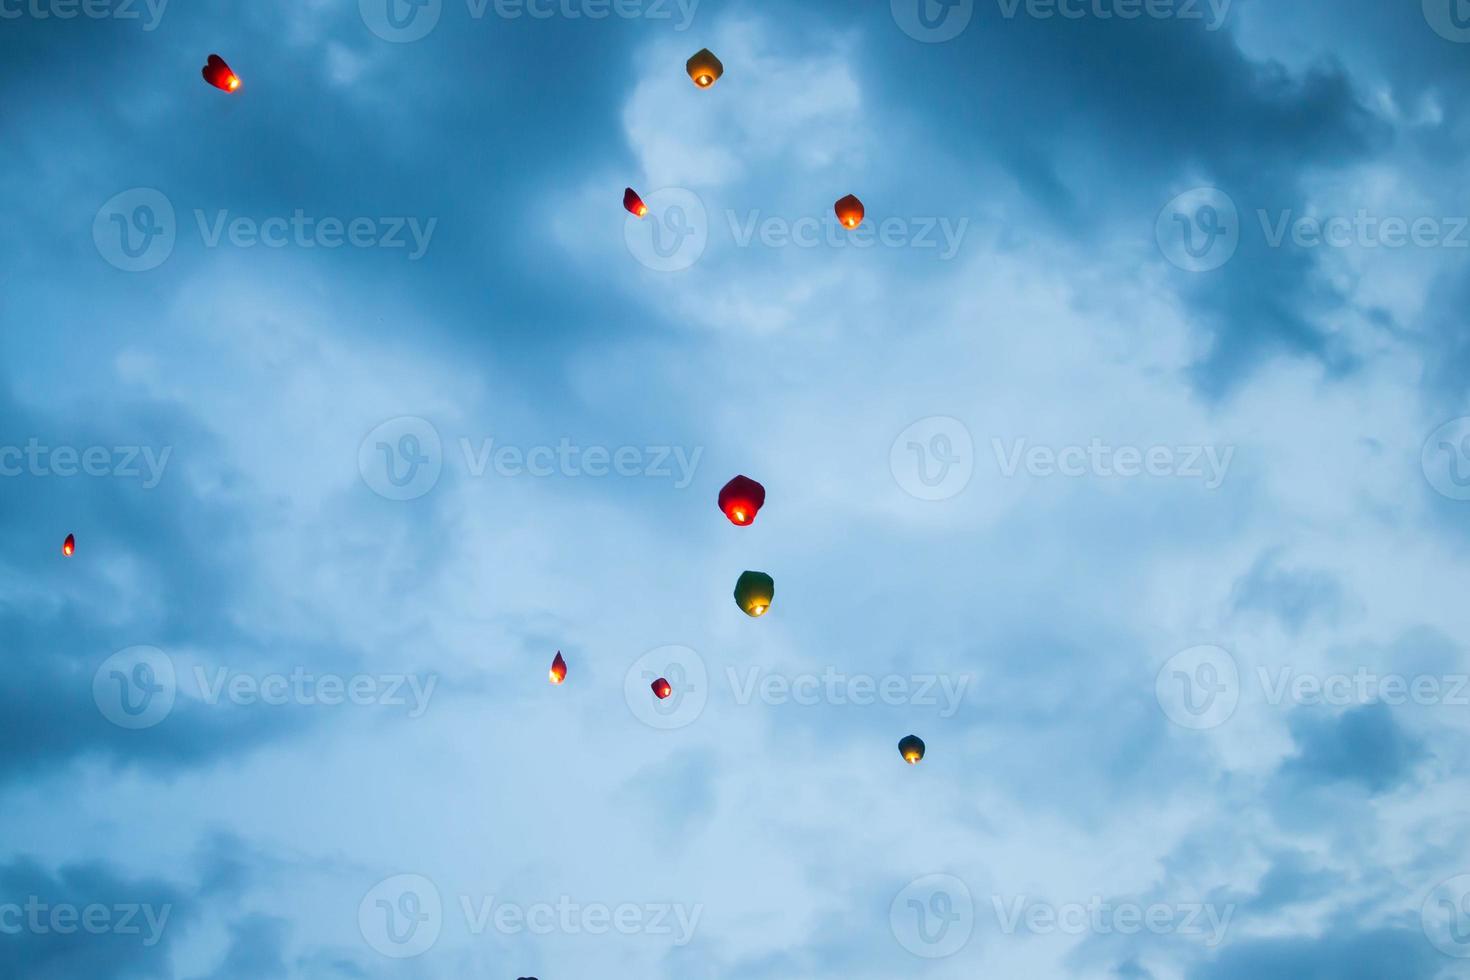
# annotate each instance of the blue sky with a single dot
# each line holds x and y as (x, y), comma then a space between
(1123, 455)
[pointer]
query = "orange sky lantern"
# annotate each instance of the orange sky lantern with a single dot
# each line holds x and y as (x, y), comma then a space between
(850, 211)
(69, 546)
(741, 499)
(218, 74)
(662, 688)
(704, 68)
(558, 669)
(634, 203)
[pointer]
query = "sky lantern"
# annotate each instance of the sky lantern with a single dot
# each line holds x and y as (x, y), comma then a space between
(850, 211)
(662, 688)
(634, 203)
(218, 74)
(754, 592)
(705, 68)
(69, 546)
(558, 669)
(741, 499)
(911, 747)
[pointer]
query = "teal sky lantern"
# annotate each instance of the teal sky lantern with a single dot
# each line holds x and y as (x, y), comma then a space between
(754, 592)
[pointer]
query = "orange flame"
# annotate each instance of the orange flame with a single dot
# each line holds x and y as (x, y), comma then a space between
(558, 669)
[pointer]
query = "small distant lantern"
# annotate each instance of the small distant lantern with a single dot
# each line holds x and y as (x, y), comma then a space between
(558, 669)
(741, 499)
(911, 747)
(850, 211)
(634, 203)
(704, 68)
(662, 688)
(754, 592)
(218, 74)
(69, 546)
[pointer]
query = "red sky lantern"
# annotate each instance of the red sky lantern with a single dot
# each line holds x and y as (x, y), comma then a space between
(218, 74)
(634, 203)
(662, 688)
(850, 211)
(558, 669)
(69, 546)
(741, 499)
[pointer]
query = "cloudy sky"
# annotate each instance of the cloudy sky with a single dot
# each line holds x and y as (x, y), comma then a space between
(1122, 454)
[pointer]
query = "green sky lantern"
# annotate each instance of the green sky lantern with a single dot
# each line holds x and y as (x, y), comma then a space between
(754, 592)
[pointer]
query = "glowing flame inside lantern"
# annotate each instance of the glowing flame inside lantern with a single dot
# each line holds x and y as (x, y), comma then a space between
(911, 747)
(741, 499)
(850, 211)
(218, 74)
(634, 203)
(704, 68)
(662, 688)
(69, 546)
(558, 669)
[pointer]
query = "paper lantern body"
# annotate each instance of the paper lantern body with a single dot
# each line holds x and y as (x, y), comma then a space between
(741, 499)
(911, 747)
(218, 74)
(69, 546)
(754, 593)
(634, 203)
(850, 212)
(704, 68)
(662, 688)
(558, 669)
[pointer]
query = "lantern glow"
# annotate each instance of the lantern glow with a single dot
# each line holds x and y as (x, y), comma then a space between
(704, 68)
(754, 593)
(850, 211)
(558, 669)
(634, 203)
(69, 546)
(662, 688)
(911, 747)
(218, 74)
(741, 499)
